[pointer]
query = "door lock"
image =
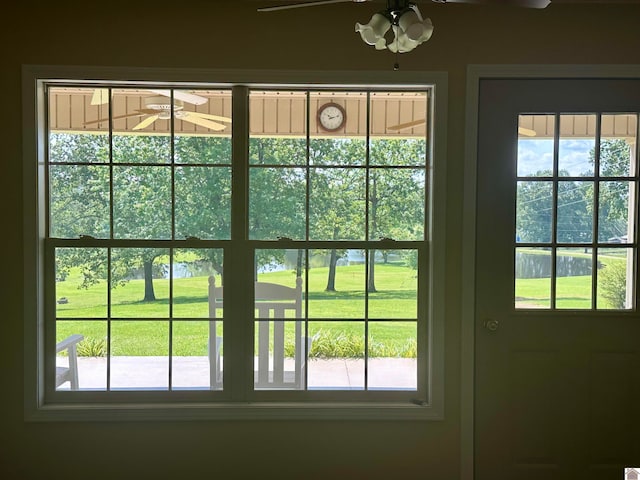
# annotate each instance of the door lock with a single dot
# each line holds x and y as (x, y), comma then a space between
(491, 325)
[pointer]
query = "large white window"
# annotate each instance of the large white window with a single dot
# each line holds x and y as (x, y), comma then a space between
(242, 249)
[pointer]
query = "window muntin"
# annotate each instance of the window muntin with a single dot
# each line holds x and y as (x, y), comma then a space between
(354, 329)
(126, 336)
(165, 173)
(576, 211)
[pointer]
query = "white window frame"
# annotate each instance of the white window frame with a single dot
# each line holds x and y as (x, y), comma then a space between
(158, 405)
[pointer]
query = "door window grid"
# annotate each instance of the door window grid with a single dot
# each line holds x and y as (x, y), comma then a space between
(576, 211)
(127, 244)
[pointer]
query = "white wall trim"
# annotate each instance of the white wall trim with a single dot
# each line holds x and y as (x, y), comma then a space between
(475, 73)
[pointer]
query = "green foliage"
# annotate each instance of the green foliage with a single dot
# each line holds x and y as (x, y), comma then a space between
(209, 150)
(612, 283)
(92, 347)
(328, 344)
(615, 161)
(576, 199)
(615, 157)
(534, 208)
(135, 196)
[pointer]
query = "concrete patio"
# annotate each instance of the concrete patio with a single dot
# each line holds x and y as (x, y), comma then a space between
(193, 373)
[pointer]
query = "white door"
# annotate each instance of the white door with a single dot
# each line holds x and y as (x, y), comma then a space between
(557, 368)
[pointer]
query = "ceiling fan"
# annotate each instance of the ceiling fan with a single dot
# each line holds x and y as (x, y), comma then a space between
(525, 132)
(403, 18)
(101, 96)
(158, 107)
(515, 3)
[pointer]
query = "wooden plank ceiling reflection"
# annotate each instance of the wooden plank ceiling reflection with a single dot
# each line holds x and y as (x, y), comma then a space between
(281, 113)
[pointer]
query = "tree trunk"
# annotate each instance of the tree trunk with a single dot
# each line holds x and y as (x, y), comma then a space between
(255, 269)
(373, 198)
(149, 295)
(371, 281)
(331, 280)
(299, 263)
(333, 261)
(218, 268)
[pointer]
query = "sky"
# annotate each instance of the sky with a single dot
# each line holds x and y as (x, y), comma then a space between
(535, 154)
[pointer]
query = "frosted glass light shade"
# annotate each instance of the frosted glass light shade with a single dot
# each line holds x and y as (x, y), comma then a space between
(414, 27)
(373, 32)
(402, 43)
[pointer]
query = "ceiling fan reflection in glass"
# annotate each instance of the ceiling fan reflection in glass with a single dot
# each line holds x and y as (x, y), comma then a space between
(101, 96)
(159, 107)
(514, 3)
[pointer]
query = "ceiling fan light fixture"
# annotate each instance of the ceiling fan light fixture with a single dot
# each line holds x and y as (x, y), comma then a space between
(162, 103)
(414, 27)
(373, 33)
(404, 18)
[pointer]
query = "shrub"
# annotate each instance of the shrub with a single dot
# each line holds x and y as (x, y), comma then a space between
(613, 283)
(327, 344)
(92, 347)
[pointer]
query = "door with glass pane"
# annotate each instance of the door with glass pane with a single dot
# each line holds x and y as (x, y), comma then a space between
(557, 330)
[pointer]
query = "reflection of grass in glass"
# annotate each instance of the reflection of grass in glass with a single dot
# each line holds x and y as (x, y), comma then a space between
(396, 295)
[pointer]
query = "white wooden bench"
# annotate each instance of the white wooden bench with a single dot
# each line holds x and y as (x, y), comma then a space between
(70, 373)
(273, 302)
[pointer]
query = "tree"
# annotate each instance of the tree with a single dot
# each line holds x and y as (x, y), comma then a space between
(277, 187)
(396, 193)
(337, 196)
(575, 212)
(576, 201)
(197, 190)
(203, 195)
(142, 203)
(615, 161)
(613, 283)
(534, 210)
(616, 157)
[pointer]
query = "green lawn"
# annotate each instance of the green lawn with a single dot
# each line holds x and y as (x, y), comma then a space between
(86, 311)
(571, 292)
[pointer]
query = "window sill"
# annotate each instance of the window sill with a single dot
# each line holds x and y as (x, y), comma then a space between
(228, 411)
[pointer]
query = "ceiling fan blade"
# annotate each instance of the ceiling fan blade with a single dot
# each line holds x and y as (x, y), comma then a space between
(411, 124)
(100, 96)
(138, 114)
(513, 3)
(203, 122)
(146, 122)
(526, 132)
(306, 4)
(208, 116)
(182, 95)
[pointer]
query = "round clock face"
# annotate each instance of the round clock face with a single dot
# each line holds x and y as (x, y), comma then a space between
(331, 116)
